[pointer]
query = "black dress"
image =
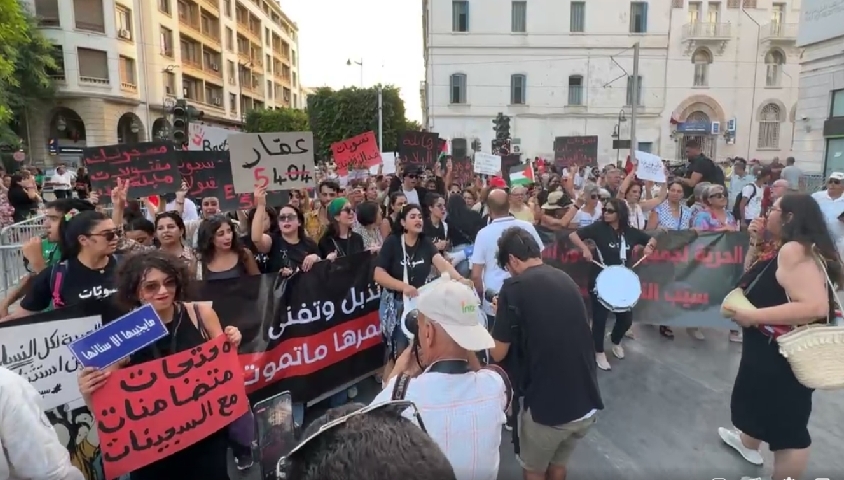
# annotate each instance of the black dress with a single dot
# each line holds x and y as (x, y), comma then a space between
(768, 403)
(206, 459)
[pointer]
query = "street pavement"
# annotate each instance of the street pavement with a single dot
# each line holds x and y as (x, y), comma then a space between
(664, 403)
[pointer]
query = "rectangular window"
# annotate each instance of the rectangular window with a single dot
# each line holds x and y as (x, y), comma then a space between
(630, 91)
(227, 8)
(638, 17)
(457, 88)
(694, 12)
(714, 12)
(646, 147)
(164, 6)
(518, 84)
(166, 42)
(229, 39)
(575, 90)
(834, 161)
(124, 23)
(577, 23)
(127, 70)
(459, 16)
(837, 109)
(169, 83)
(518, 22)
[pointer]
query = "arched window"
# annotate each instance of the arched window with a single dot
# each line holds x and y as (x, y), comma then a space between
(774, 60)
(575, 90)
(701, 59)
(518, 84)
(457, 88)
(769, 127)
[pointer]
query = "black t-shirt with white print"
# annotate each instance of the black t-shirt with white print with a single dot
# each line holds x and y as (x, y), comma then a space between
(434, 233)
(418, 260)
(284, 254)
(608, 242)
(79, 283)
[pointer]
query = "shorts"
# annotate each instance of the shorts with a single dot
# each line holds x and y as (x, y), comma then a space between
(542, 445)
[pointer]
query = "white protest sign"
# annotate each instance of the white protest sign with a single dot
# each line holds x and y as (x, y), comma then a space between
(650, 167)
(487, 164)
(38, 352)
(388, 159)
(204, 138)
(275, 161)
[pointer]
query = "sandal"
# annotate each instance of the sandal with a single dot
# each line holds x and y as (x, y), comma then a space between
(666, 332)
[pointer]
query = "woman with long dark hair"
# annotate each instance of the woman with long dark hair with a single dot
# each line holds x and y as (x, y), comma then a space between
(159, 279)
(397, 200)
(23, 197)
(268, 223)
(463, 226)
(339, 240)
(614, 240)
(787, 285)
(289, 248)
(220, 254)
(435, 227)
(404, 265)
(170, 236)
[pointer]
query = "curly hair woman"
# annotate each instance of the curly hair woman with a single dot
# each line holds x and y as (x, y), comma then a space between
(221, 255)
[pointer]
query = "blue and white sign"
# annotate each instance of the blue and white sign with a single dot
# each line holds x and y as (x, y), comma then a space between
(119, 339)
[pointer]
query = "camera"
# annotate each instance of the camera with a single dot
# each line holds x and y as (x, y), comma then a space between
(410, 324)
(489, 295)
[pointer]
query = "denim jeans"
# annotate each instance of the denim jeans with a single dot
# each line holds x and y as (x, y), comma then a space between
(463, 267)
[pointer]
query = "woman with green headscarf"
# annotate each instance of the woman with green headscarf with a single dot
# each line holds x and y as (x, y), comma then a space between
(339, 239)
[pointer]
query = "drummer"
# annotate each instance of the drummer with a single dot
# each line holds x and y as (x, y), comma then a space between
(615, 240)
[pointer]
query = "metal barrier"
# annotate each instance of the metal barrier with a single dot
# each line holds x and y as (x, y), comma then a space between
(19, 233)
(13, 269)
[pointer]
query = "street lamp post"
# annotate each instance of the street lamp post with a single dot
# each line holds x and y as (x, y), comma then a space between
(617, 135)
(350, 62)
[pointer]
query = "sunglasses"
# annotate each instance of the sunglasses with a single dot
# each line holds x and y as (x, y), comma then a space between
(717, 195)
(412, 175)
(393, 408)
(287, 218)
(610, 211)
(594, 196)
(151, 288)
(834, 181)
(107, 235)
(348, 210)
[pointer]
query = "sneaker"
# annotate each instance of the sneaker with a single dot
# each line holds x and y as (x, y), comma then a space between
(508, 428)
(695, 332)
(735, 337)
(733, 439)
(630, 333)
(601, 360)
(244, 462)
(618, 351)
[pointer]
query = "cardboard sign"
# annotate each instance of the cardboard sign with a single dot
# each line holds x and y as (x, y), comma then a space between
(204, 138)
(650, 167)
(580, 151)
(151, 168)
(275, 161)
(358, 152)
(209, 174)
(150, 411)
(419, 149)
(119, 339)
(487, 164)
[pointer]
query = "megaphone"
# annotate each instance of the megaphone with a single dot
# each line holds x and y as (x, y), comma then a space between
(735, 300)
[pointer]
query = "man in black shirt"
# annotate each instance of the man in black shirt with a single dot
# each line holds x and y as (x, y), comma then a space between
(700, 169)
(541, 320)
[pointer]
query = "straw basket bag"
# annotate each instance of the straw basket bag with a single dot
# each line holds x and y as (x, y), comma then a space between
(816, 352)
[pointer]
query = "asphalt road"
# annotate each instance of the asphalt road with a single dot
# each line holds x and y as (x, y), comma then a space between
(664, 403)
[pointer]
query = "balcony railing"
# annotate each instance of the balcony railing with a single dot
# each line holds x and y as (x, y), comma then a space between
(706, 31)
(58, 77)
(48, 22)
(129, 86)
(779, 32)
(94, 80)
(211, 70)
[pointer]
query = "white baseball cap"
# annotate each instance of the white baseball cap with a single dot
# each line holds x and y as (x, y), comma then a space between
(454, 306)
(836, 176)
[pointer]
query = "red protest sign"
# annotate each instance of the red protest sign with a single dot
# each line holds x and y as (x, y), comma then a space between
(358, 152)
(153, 410)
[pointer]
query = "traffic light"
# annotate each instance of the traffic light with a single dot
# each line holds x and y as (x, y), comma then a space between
(476, 145)
(181, 120)
(502, 127)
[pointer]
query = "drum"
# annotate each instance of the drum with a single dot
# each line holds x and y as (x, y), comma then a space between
(618, 288)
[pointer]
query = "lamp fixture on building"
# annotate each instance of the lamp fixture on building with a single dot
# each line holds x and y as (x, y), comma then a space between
(134, 127)
(61, 124)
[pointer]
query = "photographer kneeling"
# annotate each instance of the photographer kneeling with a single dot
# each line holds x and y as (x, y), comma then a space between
(463, 405)
(541, 321)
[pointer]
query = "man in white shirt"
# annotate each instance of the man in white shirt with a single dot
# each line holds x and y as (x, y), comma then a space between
(188, 213)
(831, 202)
(738, 180)
(486, 274)
(462, 405)
(750, 207)
(31, 450)
(62, 183)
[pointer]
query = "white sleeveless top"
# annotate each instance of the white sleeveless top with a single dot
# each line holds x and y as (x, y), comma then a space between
(637, 216)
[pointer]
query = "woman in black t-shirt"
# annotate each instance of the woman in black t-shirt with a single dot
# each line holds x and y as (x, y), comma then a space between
(23, 196)
(614, 239)
(288, 249)
(397, 202)
(88, 241)
(339, 239)
(404, 264)
(269, 226)
(435, 228)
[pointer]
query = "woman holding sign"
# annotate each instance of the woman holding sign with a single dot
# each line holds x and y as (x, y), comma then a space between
(160, 280)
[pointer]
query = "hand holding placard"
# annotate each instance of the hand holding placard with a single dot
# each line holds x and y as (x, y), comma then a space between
(275, 161)
(649, 167)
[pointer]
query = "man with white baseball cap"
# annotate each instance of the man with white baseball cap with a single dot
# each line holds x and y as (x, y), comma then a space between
(462, 404)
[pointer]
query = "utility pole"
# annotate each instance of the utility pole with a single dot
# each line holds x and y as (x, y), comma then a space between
(380, 118)
(634, 104)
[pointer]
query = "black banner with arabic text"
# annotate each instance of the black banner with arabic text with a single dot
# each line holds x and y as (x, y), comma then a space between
(151, 168)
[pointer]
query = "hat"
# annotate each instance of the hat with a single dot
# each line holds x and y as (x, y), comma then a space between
(836, 176)
(454, 306)
(553, 201)
(497, 182)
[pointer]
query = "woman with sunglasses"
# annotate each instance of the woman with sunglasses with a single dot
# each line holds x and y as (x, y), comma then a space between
(158, 279)
(87, 241)
(404, 265)
(589, 207)
(220, 254)
(435, 228)
(614, 241)
(268, 225)
(288, 248)
(339, 239)
(397, 201)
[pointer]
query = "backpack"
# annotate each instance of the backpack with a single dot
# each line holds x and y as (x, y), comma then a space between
(58, 272)
(737, 206)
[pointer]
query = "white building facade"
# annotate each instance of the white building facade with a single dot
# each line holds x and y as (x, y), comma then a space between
(564, 68)
(819, 136)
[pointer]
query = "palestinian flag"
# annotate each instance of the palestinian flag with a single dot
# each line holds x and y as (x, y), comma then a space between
(521, 174)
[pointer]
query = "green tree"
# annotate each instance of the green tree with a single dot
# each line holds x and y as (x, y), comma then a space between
(339, 114)
(413, 125)
(26, 61)
(279, 120)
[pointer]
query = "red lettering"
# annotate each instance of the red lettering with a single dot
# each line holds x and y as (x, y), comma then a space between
(228, 190)
(261, 179)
